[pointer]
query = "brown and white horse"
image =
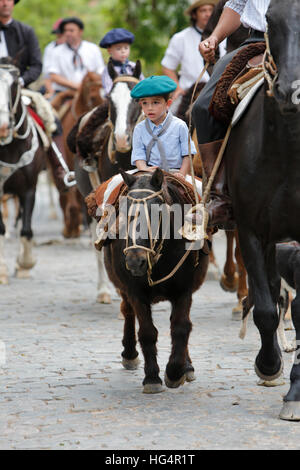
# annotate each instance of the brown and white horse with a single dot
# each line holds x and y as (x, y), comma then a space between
(21, 159)
(89, 96)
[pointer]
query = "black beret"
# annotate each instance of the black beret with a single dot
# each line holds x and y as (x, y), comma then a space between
(71, 19)
(115, 36)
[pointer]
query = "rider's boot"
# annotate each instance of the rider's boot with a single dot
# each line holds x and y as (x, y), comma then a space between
(219, 207)
(57, 169)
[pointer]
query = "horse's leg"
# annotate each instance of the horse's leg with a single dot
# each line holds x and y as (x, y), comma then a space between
(103, 285)
(72, 214)
(242, 290)
(129, 355)
(181, 326)
(229, 278)
(265, 286)
(291, 406)
(25, 259)
(148, 337)
(3, 267)
(50, 185)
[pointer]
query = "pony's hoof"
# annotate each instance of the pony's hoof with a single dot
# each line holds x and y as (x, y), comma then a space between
(153, 388)
(229, 285)
(130, 364)
(270, 378)
(190, 376)
(104, 298)
(290, 411)
(174, 384)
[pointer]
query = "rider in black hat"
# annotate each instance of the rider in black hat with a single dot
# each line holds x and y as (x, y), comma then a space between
(18, 41)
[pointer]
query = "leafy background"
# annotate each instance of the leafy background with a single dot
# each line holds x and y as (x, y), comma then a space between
(152, 21)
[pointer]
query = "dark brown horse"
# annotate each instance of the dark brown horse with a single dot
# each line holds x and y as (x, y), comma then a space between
(21, 159)
(263, 178)
(88, 97)
(138, 265)
(105, 144)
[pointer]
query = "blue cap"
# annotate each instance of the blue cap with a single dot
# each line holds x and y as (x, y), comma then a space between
(114, 36)
(153, 86)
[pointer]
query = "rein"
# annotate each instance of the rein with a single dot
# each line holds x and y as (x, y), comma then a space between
(13, 107)
(269, 67)
(154, 252)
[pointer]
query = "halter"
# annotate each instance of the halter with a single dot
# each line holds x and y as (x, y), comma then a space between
(269, 67)
(13, 109)
(154, 252)
(109, 123)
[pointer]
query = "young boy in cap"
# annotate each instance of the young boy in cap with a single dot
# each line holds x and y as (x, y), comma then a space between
(161, 140)
(117, 42)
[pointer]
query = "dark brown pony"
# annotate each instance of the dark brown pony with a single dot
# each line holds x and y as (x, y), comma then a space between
(21, 159)
(263, 179)
(134, 271)
(88, 97)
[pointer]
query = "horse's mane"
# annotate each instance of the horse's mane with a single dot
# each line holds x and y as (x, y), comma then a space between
(185, 103)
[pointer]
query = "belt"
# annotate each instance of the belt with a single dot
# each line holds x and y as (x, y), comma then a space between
(254, 33)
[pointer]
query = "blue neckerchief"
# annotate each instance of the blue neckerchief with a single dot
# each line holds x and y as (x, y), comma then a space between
(123, 65)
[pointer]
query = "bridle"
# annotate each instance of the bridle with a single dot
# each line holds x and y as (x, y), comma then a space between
(110, 124)
(154, 252)
(13, 107)
(269, 67)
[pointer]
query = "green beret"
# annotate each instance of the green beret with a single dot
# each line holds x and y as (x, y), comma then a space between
(153, 86)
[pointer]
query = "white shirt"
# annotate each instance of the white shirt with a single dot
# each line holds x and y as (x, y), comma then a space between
(183, 49)
(47, 57)
(3, 45)
(252, 12)
(62, 62)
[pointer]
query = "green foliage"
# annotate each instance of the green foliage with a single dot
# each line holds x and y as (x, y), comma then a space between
(152, 21)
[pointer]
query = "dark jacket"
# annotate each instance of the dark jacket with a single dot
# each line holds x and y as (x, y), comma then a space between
(22, 44)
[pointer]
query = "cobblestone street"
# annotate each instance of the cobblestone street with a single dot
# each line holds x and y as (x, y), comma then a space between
(63, 385)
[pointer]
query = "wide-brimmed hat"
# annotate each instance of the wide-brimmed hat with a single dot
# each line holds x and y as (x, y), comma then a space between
(194, 5)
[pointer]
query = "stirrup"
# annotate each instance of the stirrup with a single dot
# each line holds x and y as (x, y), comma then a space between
(195, 224)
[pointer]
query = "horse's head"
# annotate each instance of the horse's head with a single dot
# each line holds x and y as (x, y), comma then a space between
(124, 110)
(144, 221)
(91, 93)
(283, 20)
(9, 99)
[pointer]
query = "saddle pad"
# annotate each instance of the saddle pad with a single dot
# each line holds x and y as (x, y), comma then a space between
(243, 105)
(221, 107)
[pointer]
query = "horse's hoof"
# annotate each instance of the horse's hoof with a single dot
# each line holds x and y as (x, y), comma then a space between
(131, 364)
(290, 411)
(190, 376)
(4, 280)
(271, 383)
(23, 273)
(236, 315)
(153, 388)
(104, 298)
(270, 378)
(229, 285)
(174, 384)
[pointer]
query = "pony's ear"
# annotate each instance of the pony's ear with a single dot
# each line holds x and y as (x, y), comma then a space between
(137, 69)
(111, 70)
(128, 178)
(157, 178)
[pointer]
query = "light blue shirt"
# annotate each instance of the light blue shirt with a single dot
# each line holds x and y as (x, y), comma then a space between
(175, 142)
